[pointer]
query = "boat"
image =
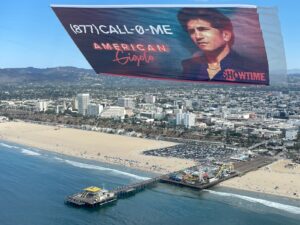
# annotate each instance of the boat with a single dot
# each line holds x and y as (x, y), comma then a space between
(92, 196)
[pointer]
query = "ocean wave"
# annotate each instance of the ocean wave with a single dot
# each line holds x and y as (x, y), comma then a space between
(276, 205)
(93, 167)
(59, 159)
(8, 146)
(28, 152)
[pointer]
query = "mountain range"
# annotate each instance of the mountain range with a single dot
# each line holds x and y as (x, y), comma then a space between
(56, 74)
(76, 75)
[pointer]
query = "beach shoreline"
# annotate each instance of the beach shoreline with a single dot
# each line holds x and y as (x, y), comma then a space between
(280, 178)
(273, 179)
(103, 147)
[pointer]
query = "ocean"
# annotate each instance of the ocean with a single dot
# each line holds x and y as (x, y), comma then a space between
(34, 183)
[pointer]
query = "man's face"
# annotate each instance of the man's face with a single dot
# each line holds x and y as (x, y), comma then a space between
(206, 37)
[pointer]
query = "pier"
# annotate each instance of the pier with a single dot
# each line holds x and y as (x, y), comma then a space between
(95, 196)
(247, 166)
(240, 168)
(131, 189)
(196, 186)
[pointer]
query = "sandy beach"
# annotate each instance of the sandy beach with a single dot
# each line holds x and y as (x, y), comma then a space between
(277, 179)
(104, 147)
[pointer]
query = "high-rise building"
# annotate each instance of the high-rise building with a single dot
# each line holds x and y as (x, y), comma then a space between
(83, 101)
(187, 119)
(179, 119)
(126, 102)
(75, 103)
(65, 105)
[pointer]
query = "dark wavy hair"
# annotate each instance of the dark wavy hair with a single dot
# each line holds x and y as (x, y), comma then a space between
(213, 16)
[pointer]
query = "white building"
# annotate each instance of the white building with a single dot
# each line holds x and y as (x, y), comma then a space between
(83, 101)
(291, 134)
(224, 124)
(179, 119)
(294, 122)
(168, 111)
(75, 103)
(189, 119)
(94, 109)
(41, 106)
(113, 112)
(150, 99)
(186, 119)
(60, 109)
(126, 102)
(3, 119)
(202, 125)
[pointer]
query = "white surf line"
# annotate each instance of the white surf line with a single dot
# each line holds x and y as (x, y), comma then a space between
(276, 205)
(93, 167)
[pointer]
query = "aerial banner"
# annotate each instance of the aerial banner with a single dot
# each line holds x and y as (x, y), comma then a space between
(212, 44)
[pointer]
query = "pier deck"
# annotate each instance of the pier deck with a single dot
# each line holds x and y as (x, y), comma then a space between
(246, 166)
(136, 187)
(240, 169)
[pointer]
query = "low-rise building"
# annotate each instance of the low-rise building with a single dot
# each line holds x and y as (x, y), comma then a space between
(113, 112)
(94, 109)
(41, 106)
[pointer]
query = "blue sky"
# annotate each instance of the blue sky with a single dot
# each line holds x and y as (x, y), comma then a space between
(31, 35)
